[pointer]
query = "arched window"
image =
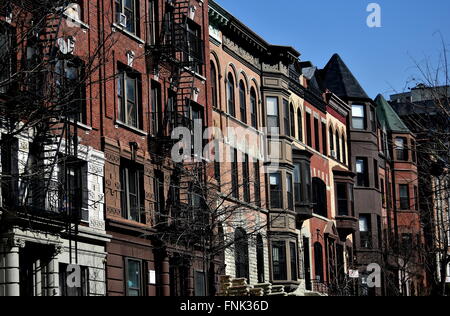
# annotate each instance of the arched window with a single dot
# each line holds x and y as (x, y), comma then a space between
(292, 115)
(241, 254)
(344, 149)
(260, 258)
(332, 152)
(253, 108)
(320, 197)
(338, 146)
(318, 262)
(230, 96)
(243, 101)
(300, 125)
(214, 90)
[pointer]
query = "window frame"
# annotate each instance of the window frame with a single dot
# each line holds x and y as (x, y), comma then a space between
(243, 102)
(279, 261)
(276, 194)
(359, 118)
(273, 115)
(123, 98)
(140, 278)
(128, 171)
(254, 108)
(121, 8)
(231, 96)
(404, 200)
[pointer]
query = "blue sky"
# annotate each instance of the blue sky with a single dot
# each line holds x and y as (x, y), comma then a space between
(380, 58)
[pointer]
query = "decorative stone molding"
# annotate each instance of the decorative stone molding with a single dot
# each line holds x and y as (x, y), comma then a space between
(240, 51)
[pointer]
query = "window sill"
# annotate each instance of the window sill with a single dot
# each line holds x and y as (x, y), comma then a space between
(131, 35)
(130, 128)
(82, 126)
(196, 74)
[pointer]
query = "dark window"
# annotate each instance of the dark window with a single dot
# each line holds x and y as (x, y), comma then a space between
(200, 288)
(290, 192)
(217, 161)
(359, 116)
(414, 151)
(292, 118)
(9, 171)
(316, 134)
(273, 119)
(287, 121)
(342, 199)
(214, 90)
(127, 15)
(156, 108)
(324, 139)
(376, 173)
(65, 276)
(365, 230)
(5, 58)
(230, 96)
(152, 21)
(294, 258)
(318, 262)
(159, 192)
(241, 254)
(235, 175)
(380, 232)
(300, 125)
(331, 137)
(246, 178)
(133, 277)
(416, 198)
(362, 172)
(404, 197)
(132, 199)
(257, 188)
(72, 186)
(243, 102)
(128, 99)
(373, 119)
(276, 201)
(279, 260)
(260, 258)
(320, 197)
(178, 275)
(298, 183)
(383, 192)
(193, 54)
(308, 130)
(401, 149)
(254, 108)
(71, 87)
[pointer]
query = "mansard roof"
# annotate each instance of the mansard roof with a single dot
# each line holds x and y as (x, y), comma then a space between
(388, 117)
(338, 78)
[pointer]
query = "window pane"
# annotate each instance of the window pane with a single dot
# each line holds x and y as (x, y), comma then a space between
(134, 277)
(272, 106)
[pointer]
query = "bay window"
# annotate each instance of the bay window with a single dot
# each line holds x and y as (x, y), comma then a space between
(359, 116)
(273, 120)
(365, 230)
(404, 197)
(276, 201)
(401, 149)
(279, 260)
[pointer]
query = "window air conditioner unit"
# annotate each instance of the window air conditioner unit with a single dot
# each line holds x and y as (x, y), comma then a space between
(122, 20)
(333, 154)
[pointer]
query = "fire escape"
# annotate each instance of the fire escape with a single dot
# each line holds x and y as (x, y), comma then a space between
(178, 55)
(48, 203)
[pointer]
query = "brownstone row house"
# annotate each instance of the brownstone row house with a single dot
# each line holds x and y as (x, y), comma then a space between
(303, 188)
